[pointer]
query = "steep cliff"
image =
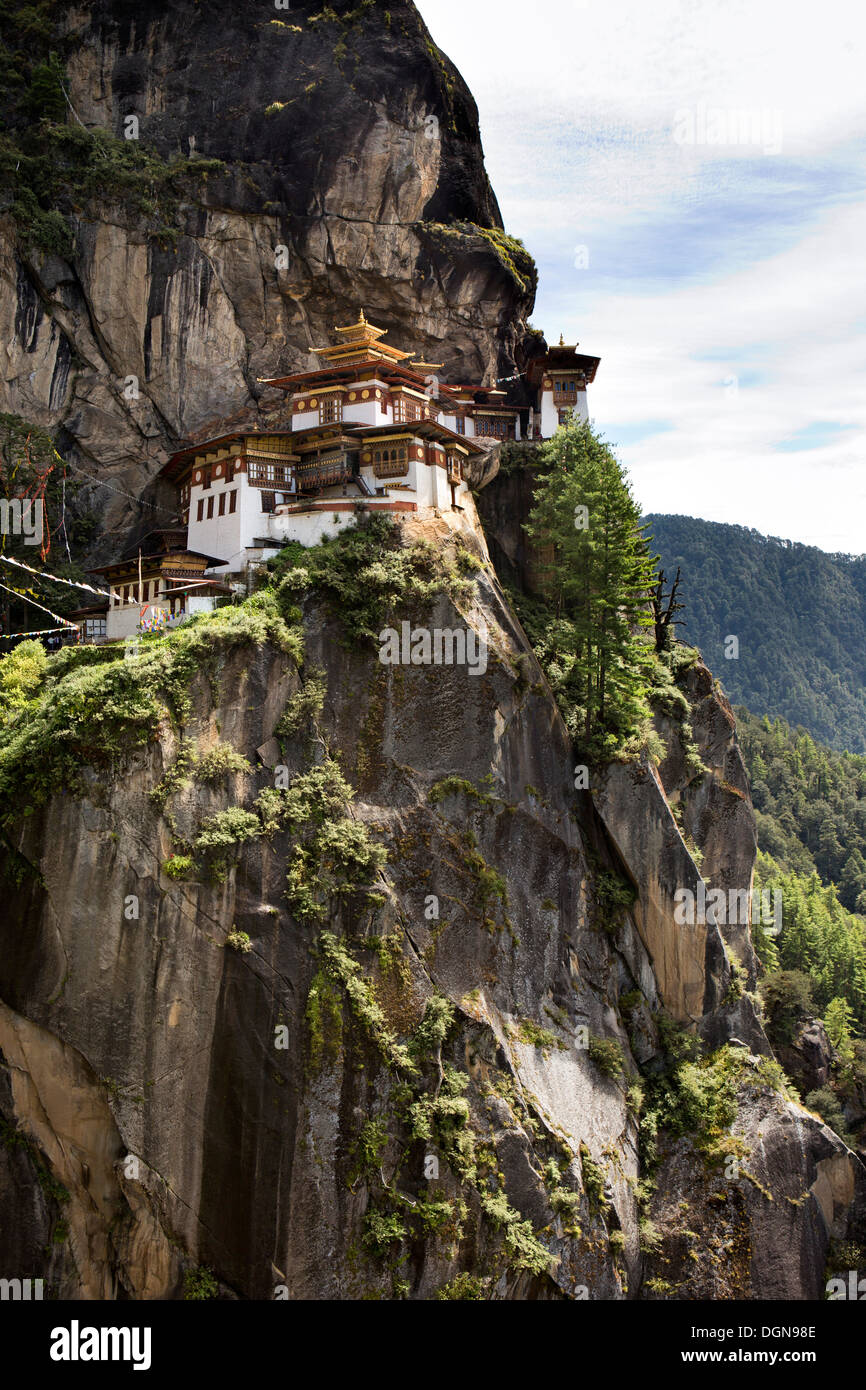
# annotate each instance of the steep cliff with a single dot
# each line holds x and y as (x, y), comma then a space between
(289, 167)
(320, 977)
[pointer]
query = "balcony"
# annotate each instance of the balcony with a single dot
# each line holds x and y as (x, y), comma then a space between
(270, 475)
(323, 472)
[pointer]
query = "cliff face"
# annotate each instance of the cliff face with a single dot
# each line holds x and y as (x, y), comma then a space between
(351, 174)
(430, 1084)
(318, 976)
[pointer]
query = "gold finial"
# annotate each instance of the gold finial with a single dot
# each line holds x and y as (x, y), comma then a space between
(362, 319)
(561, 341)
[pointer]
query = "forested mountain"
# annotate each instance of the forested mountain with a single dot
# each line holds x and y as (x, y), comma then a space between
(799, 615)
(810, 804)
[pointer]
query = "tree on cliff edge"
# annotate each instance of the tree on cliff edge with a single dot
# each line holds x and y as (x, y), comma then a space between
(598, 577)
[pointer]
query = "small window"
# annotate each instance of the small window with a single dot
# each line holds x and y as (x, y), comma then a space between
(460, 426)
(331, 410)
(205, 478)
(209, 508)
(268, 501)
(233, 501)
(222, 505)
(200, 512)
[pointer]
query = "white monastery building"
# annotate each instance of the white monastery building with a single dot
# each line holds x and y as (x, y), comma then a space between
(369, 430)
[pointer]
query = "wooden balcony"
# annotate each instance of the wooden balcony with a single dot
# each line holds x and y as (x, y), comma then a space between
(277, 476)
(322, 473)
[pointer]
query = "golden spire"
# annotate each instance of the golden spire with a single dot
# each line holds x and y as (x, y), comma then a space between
(360, 337)
(561, 340)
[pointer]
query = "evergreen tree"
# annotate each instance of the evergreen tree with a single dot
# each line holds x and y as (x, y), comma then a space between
(597, 575)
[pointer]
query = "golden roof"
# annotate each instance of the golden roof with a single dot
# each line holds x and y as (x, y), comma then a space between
(360, 339)
(362, 331)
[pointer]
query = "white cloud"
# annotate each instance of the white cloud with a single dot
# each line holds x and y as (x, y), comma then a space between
(694, 250)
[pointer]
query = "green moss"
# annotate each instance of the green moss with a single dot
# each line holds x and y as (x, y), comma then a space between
(305, 706)
(381, 1230)
(11, 1139)
(324, 1017)
(175, 776)
(457, 786)
(344, 970)
(97, 712)
(593, 1181)
(221, 833)
(607, 1055)
(239, 941)
(365, 574)
(218, 762)
(613, 896)
(532, 1033)
(463, 1287)
(179, 866)
(199, 1284)
(524, 1249)
(461, 238)
(368, 1149)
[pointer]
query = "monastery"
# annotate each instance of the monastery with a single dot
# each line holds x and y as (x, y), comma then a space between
(370, 430)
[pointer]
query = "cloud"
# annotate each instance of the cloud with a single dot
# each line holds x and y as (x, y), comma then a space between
(722, 286)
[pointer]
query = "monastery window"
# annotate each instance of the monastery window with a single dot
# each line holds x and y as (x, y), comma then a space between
(233, 501)
(265, 474)
(209, 508)
(392, 462)
(93, 628)
(494, 427)
(455, 472)
(205, 478)
(330, 410)
(384, 404)
(566, 415)
(268, 501)
(222, 505)
(407, 409)
(200, 512)
(460, 425)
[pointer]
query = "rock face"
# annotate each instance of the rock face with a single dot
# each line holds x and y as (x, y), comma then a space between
(352, 176)
(141, 1072)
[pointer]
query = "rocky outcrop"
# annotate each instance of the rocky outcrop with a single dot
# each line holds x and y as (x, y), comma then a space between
(808, 1059)
(351, 174)
(712, 790)
(285, 1113)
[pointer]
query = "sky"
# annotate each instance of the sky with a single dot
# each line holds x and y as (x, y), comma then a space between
(690, 176)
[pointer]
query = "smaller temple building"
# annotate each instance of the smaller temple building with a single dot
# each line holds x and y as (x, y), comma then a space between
(560, 380)
(155, 585)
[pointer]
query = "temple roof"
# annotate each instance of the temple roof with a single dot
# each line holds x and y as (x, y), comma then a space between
(151, 562)
(361, 337)
(563, 359)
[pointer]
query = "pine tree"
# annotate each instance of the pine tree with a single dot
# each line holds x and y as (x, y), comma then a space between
(598, 574)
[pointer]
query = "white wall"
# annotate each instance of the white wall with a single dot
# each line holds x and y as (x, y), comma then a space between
(549, 416)
(123, 622)
(309, 527)
(227, 537)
